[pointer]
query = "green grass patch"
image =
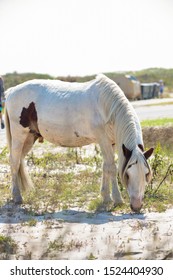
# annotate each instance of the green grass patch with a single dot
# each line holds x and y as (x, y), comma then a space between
(62, 183)
(62, 190)
(159, 193)
(4, 155)
(59, 245)
(7, 245)
(157, 122)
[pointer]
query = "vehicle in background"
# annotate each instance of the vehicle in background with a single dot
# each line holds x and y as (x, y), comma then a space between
(150, 90)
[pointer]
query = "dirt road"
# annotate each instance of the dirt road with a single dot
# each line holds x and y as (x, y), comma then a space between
(154, 108)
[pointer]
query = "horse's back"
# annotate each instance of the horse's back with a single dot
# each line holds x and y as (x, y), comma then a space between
(47, 88)
(49, 95)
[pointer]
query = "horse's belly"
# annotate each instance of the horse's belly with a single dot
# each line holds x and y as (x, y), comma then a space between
(72, 142)
(67, 137)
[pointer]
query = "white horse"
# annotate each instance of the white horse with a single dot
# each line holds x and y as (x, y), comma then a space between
(74, 115)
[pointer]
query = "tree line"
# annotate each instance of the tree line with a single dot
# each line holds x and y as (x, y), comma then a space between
(144, 76)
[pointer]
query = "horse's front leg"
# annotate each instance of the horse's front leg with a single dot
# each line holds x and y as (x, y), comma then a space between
(108, 168)
(105, 191)
(109, 175)
(116, 195)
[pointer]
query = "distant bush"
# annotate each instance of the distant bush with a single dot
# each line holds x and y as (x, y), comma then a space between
(13, 79)
(144, 76)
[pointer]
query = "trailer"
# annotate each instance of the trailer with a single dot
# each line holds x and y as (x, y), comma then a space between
(130, 86)
(134, 90)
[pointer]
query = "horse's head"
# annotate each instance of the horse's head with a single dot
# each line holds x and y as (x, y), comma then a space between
(136, 174)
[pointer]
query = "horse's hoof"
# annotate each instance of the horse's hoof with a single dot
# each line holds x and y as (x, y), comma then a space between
(17, 201)
(118, 203)
(107, 205)
(107, 200)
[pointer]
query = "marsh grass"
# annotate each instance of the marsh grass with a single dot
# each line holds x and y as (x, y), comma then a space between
(62, 182)
(61, 245)
(7, 245)
(4, 155)
(159, 193)
(32, 223)
(69, 186)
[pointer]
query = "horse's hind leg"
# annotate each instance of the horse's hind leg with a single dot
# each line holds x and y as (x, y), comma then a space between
(20, 176)
(15, 162)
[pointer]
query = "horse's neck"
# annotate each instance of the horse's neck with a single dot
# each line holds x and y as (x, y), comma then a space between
(115, 108)
(128, 133)
(128, 130)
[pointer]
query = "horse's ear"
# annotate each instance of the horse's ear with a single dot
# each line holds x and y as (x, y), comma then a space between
(127, 152)
(141, 147)
(148, 153)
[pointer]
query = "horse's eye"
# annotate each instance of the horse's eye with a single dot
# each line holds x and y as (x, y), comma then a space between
(130, 165)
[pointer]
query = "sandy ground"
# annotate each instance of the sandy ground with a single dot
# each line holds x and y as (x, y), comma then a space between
(82, 235)
(76, 234)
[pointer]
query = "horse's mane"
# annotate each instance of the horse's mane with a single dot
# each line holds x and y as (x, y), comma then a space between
(118, 111)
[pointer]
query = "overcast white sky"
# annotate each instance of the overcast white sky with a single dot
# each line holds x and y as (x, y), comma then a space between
(80, 37)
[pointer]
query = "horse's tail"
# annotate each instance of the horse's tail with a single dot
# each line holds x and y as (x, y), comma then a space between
(7, 127)
(23, 178)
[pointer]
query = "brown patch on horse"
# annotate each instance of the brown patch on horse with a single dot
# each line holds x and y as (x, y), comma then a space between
(28, 118)
(28, 115)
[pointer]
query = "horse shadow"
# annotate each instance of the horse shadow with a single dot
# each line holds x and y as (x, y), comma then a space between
(14, 214)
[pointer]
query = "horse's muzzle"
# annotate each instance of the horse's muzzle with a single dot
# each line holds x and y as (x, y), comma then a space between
(136, 210)
(136, 205)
